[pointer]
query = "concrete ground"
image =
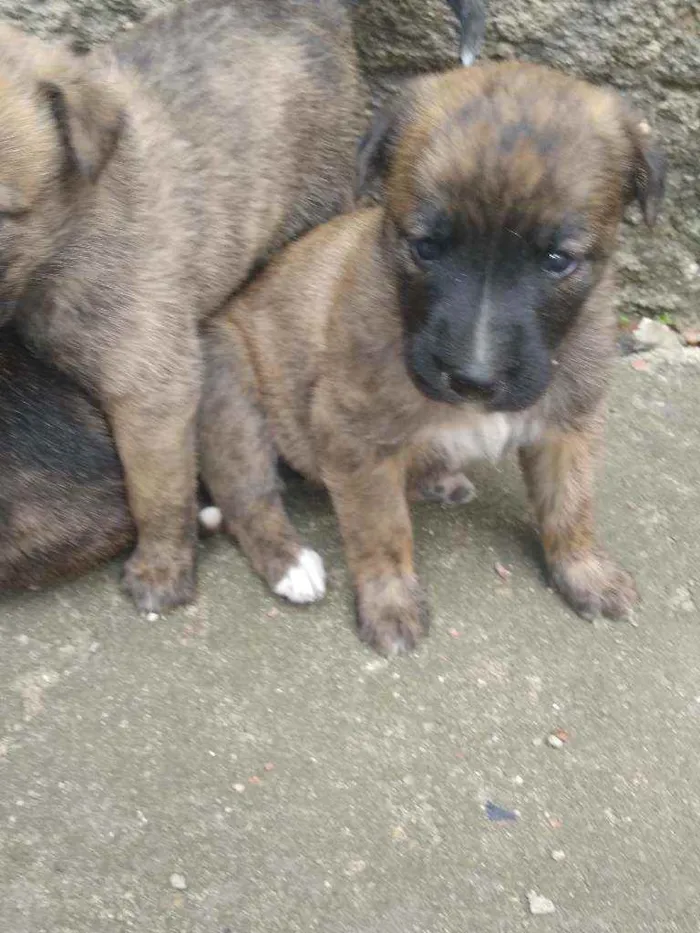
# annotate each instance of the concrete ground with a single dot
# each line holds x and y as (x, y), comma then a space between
(249, 767)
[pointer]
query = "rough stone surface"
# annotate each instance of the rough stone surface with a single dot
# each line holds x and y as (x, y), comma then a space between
(651, 51)
(650, 334)
(131, 750)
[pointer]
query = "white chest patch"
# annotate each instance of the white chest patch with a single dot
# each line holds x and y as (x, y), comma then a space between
(488, 438)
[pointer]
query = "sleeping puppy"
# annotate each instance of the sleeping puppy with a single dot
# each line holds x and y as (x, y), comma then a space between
(468, 316)
(62, 496)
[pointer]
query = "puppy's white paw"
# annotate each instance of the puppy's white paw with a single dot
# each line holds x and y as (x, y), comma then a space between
(305, 581)
(210, 518)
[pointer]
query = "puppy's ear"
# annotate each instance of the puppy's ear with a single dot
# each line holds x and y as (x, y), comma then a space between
(472, 27)
(88, 113)
(375, 149)
(648, 169)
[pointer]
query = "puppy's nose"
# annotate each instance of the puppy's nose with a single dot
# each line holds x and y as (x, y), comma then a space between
(470, 380)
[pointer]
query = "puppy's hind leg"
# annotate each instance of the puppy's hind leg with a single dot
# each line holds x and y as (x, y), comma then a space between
(239, 467)
(432, 479)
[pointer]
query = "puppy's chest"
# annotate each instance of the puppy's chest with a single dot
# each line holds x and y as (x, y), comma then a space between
(489, 437)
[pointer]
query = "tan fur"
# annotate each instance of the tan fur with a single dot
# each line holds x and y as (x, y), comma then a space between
(142, 185)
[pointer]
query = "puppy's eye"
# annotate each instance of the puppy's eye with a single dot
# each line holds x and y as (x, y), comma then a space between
(427, 248)
(559, 264)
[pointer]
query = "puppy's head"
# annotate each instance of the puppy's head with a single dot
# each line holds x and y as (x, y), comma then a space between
(60, 117)
(505, 185)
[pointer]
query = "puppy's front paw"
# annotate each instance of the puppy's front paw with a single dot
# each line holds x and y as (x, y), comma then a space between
(392, 613)
(305, 580)
(594, 585)
(157, 584)
(448, 488)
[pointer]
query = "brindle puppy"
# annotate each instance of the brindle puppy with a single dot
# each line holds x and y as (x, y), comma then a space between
(139, 186)
(469, 316)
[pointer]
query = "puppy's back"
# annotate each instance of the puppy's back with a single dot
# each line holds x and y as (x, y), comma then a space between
(264, 108)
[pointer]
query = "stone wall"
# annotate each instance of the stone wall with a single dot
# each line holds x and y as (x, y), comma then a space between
(648, 48)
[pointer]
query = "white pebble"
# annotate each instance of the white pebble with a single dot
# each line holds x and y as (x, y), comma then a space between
(554, 741)
(179, 882)
(152, 617)
(558, 855)
(539, 905)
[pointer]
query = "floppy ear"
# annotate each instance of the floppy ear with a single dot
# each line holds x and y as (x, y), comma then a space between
(472, 27)
(374, 151)
(88, 114)
(648, 170)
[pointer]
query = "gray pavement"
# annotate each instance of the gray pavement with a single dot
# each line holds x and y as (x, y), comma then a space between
(298, 782)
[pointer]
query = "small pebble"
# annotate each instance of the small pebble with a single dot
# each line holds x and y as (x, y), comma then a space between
(651, 334)
(497, 814)
(503, 572)
(454, 633)
(239, 788)
(558, 855)
(269, 766)
(272, 613)
(254, 779)
(152, 617)
(554, 741)
(691, 338)
(539, 905)
(179, 882)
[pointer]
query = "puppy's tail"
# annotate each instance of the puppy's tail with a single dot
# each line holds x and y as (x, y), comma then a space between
(472, 27)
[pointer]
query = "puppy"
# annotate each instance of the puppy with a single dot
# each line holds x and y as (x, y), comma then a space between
(468, 316)
(139, 186)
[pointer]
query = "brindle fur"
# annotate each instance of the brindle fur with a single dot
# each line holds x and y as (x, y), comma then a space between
(140, 185)
(314, 360)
